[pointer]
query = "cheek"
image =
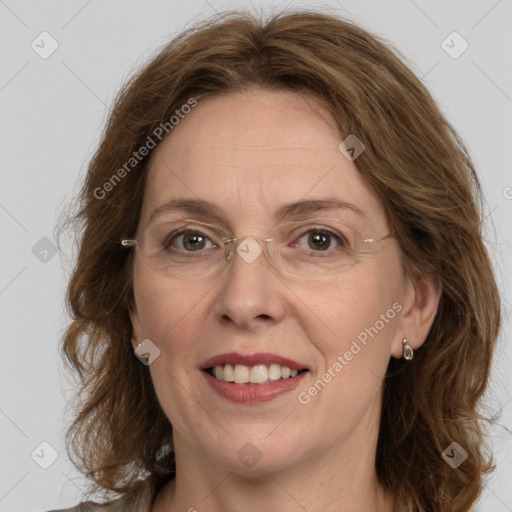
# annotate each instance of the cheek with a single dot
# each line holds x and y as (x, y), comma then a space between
(351, 326)
(167, 310)
(357, 315)
(168, 316)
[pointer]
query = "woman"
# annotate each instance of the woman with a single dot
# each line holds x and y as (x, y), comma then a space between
(287, 229)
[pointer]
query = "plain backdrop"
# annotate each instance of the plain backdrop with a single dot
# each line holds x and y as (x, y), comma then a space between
(53, 107)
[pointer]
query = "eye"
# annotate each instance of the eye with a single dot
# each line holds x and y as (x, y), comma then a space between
(188, 241)
(320, 240)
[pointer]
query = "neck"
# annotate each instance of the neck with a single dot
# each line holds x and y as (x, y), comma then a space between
(343, 480)
(333, 476)
(229, 492)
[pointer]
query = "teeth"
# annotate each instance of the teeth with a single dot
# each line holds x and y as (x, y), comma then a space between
(274, 372)
(258, 374)
(228, 374)
(241, 374)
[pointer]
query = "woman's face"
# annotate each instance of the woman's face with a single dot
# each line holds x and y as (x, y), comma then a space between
(247, 155)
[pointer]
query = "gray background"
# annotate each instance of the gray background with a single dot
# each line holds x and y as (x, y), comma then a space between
(52, 111)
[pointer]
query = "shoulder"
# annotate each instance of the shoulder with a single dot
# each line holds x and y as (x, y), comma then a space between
(89, 506)
(140, 503)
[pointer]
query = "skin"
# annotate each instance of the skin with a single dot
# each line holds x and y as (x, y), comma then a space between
(248, 153)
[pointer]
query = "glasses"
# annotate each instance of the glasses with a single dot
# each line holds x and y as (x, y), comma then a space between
(190, 249)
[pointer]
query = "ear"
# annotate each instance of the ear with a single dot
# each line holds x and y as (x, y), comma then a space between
(136, 325)
(420, 303)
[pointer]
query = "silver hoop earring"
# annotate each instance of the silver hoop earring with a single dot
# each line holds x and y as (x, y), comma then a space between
(408, 350)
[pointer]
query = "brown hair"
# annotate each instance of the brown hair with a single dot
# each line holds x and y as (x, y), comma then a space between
(413, 160)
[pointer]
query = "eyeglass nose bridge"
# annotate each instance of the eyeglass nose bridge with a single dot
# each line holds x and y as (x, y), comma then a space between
(233, 243)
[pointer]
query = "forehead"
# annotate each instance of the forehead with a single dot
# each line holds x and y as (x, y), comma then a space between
(251, 152)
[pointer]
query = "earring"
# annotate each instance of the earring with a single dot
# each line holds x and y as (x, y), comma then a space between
(408, 350)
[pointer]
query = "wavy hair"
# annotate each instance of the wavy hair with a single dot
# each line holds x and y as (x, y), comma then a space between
(120, 437)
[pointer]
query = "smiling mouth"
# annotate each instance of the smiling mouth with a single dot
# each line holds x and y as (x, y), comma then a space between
(257, 374)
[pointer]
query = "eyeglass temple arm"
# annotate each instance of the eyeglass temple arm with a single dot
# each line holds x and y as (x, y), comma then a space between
(381, 239)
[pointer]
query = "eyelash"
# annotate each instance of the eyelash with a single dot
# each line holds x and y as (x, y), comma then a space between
(340, 239)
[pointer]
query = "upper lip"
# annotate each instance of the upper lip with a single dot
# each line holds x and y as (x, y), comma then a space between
(266, 358)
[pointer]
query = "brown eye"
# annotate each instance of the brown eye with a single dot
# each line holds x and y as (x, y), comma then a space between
(189, 241)
(319, 240)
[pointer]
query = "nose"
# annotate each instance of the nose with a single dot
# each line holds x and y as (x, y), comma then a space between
(251, 292)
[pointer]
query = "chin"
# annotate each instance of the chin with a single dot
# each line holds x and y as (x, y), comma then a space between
(254, 452)
(253, 464)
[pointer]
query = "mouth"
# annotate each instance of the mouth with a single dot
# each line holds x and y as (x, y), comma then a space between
(253, 377)
(257, 374)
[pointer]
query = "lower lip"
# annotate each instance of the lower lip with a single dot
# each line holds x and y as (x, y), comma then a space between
(253, 393)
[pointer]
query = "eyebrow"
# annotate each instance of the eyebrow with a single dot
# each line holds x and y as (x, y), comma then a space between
(206, 209)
